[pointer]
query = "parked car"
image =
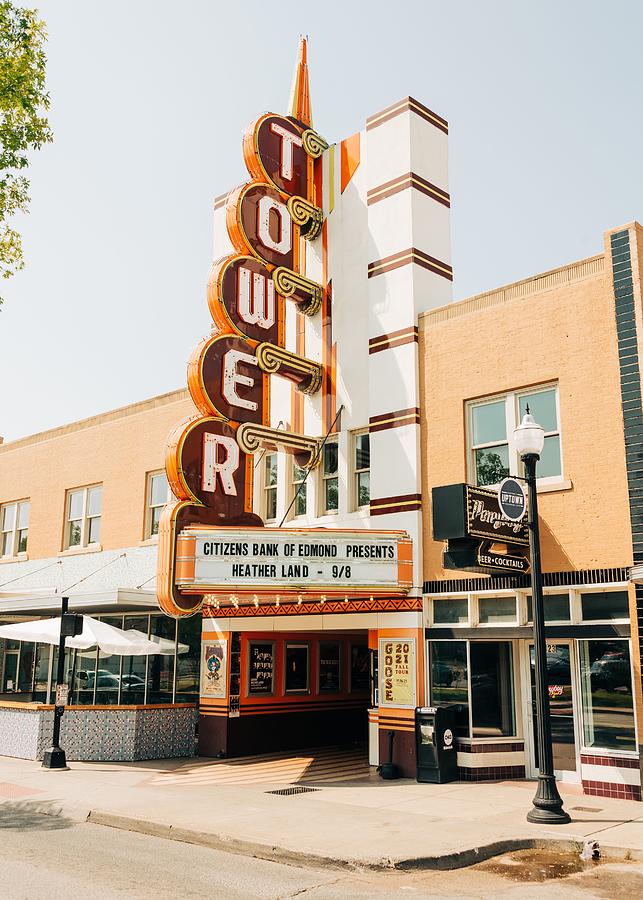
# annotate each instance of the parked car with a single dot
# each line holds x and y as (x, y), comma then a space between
(612, 670)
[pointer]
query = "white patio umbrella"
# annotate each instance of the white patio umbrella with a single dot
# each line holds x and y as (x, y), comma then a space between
(166, 646)
(109, 639)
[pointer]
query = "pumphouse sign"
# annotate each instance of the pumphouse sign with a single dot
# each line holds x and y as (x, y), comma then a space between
(480, 536)
(259, 559)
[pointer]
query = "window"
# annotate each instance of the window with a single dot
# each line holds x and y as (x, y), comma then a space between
(489, 443)
(606, 688)
(329, 477)
(490, 426)
(497, 610)
(362, 467)
(14, 519)
(296, 668)
(492, 706)
(359, 667)
(270, 487)
(556, 608)
(448, 611)
(329, 667)
(299, 490)
(160, 670)
(158, 494)
(133, 668)
(603, 606)
(82, 525)
(478, 680)
(449, 679)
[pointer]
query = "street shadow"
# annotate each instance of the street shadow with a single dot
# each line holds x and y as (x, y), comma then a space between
(30, 816)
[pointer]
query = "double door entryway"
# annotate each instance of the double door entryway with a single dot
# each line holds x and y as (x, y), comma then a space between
(564, 708)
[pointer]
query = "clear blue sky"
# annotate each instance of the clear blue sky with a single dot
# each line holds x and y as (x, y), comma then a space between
(149, 103)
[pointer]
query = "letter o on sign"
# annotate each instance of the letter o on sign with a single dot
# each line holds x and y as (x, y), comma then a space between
(511, 499)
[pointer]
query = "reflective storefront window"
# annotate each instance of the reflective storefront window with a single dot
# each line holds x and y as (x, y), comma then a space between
(26, 668)
(450, 611)
(449, 679)
(188, 659)
(497, 610)
(84, 677)
(492, 703)
(556, 608)
(604, 606)
(160, 673)
(41, 675)
(606, 686)
(108, 670)
(134, 668)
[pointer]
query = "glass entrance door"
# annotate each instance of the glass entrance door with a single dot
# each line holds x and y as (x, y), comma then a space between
(562, 695)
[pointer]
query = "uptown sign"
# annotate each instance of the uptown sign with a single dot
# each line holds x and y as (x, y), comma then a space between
(480, 538)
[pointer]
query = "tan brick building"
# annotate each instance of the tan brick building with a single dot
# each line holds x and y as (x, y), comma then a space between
(568, 343)
(79, 509)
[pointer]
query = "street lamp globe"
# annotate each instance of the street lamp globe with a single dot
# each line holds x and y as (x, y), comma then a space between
(529, 436)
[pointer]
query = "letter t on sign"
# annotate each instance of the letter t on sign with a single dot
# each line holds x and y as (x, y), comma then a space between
(224, 468)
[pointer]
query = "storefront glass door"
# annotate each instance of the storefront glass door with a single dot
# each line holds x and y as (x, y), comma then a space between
(561, 686)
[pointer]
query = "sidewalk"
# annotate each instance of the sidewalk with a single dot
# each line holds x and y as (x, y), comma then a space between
(365, 823)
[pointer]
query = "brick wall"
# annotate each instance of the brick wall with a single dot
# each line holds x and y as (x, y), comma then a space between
(116, 449)
(558, 327)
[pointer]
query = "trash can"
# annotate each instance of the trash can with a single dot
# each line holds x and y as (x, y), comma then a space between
(437, 760)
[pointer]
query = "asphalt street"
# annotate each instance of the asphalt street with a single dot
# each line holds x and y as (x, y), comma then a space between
(52, 857)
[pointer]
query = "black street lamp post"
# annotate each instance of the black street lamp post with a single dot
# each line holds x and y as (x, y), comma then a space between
(548, 804)
(54, 757)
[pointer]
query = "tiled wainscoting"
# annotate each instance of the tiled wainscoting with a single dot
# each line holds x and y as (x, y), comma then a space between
(101, 734)
(611, 776)
(492, 761)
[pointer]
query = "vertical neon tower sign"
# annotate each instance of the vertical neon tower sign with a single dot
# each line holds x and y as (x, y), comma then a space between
(209, 456)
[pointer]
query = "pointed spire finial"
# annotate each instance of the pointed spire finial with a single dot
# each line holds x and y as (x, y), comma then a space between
(300, 107)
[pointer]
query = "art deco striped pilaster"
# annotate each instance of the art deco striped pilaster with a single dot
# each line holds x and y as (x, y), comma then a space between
(409, 271)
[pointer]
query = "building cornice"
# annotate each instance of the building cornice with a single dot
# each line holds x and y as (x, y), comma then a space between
(592, 267)
(122, 412)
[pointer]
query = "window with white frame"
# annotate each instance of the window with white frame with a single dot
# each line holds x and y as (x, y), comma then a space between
(329, 477)
(270, 487)
(157, 494)
(491, 422)
(83, 515)
(299, 488)
(362, 469)
(14, 519)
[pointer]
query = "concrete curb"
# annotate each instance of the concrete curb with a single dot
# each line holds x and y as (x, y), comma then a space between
(457, 859)
(454, 860)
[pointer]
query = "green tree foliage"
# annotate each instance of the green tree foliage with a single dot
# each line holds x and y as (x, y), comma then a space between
(23, 125)
(491, 469)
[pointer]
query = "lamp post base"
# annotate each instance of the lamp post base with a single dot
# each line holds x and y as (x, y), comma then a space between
(548, 804)
(54, 758)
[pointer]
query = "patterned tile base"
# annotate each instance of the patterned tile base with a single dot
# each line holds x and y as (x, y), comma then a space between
(100, 735)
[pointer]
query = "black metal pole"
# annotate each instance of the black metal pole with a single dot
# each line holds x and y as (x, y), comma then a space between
(54, 758)
(548, 804)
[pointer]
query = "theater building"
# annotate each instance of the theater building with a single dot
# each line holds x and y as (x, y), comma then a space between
(567, 343)
(335, 447)
(285, 527)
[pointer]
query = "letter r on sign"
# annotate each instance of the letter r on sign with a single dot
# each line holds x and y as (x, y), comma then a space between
(220, 457)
